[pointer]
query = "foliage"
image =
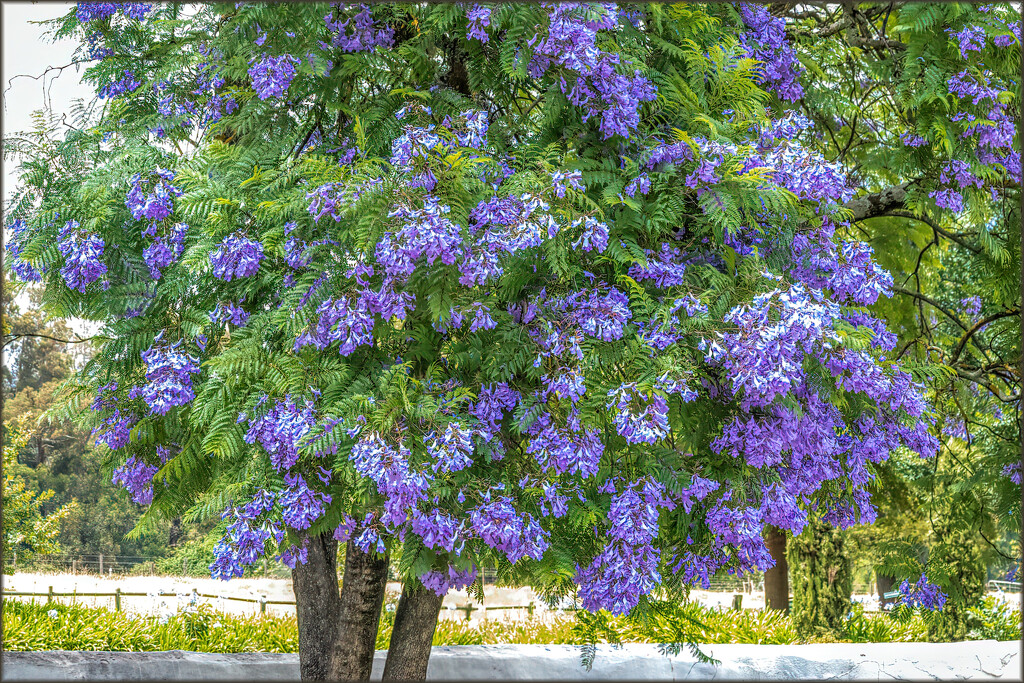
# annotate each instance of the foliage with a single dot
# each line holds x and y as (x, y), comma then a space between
(29, 626)
(822, 581)
(26, 529)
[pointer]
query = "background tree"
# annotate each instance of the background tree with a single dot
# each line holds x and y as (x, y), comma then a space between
(27, 530)
(822, 578)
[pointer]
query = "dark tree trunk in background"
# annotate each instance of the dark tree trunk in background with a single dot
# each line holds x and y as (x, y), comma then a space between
(885, 585)
(776, 579)
(362, 596)
(337, 629)
(413, 634)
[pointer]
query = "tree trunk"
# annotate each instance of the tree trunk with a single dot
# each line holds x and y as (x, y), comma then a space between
(413, 634)
(317, 604)
(362, 595)
(776, 579)
(337, 631)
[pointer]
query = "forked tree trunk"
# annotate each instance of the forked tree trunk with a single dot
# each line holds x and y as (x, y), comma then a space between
(337, 630)
(362, 596)
(413, 634)
(776, 579)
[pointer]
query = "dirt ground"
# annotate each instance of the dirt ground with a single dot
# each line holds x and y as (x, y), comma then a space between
(166, 595)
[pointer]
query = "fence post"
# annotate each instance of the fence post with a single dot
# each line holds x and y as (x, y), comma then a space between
(49, 595)
(184, 567)
(737, 601)
(117, 599)
(14, 565)
(469, 610)
(529, 608)
(263, 601)
(74, 566)
(101, 564)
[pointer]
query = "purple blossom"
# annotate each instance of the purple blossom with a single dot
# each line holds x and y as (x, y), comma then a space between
(563, 180)
(515, 534)
(649, 424)
(157, 204)
(442, 582)
(921, 593)
(82, 253)
(236, 257)
(765, 41)
(136, 477)
(168, 371)
(479, 18)
(450, 451)
(280, 431)
(971, 306)
(359, 34)
(127, 83)
(271, 76)
(301, 505)
(971, 38)
(25, 271)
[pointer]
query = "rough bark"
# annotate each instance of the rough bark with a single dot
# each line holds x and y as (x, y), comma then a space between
(362, 595)
(317, 604)
(776, 579)
(413, 634)
(337, 629)
(869, 205)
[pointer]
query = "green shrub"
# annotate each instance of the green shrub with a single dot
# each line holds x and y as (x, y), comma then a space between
(49, 626)
(993, 619)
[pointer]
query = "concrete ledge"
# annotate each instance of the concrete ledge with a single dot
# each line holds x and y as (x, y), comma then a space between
(978, 660)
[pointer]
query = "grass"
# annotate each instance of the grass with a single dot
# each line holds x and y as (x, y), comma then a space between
(29, 626)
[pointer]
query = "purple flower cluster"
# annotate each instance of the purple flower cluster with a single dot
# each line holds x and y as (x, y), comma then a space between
(280, 431)
(246, 539)
(136, 477)
(155, 204)
(301, 505)
(127, 83)
(25, 271)
(572, 449)
(597, 87)
(82, 253)
(442, 582)
(236, 257)
(501, 527)
(169, 373)
(627, 568)
(358, 33)
(426, 233)
(649, 425)
(921, 593)
(765, 41)
(271, 76)
(452, 450)
(165, 250)
(970, 38)
(96, 11)
(479, 18)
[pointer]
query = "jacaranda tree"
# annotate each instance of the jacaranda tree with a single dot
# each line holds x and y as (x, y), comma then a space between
(561, 290)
